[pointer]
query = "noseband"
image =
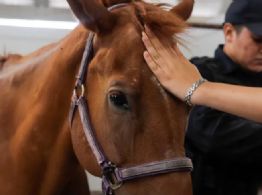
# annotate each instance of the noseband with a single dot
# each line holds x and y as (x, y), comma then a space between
(113, 176)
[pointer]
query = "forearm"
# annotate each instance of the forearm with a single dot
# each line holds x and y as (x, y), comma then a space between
(238, 100)
(176, 74)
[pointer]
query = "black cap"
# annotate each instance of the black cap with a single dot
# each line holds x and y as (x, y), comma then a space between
(247, 13)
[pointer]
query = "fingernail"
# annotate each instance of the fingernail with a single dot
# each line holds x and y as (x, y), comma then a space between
(146, 54)
(144, 37)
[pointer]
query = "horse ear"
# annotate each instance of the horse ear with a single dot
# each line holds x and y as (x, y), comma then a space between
(93, 15)
(184, 9)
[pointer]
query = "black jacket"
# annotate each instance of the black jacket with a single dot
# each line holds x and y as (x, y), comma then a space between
(226, 150)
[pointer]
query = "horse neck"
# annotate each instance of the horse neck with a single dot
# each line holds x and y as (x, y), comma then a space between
(34, 99)
(45, 77)
(47, 86)
(64, 63)
(53, 80)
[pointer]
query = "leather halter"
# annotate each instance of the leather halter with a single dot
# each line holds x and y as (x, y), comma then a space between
(112, 176)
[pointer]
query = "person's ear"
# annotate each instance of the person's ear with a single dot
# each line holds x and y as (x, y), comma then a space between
(229, 32)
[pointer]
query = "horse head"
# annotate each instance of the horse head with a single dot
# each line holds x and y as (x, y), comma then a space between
(135, 120)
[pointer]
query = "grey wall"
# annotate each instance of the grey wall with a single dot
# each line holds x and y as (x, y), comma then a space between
(202, 42)
(24, 40)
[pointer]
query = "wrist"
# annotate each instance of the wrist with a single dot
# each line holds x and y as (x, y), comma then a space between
(201, 94)
(193, 92)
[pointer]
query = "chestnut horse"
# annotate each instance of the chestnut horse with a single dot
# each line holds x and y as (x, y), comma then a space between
(137, 124)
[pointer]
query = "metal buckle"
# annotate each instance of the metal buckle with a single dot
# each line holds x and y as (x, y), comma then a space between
(110, 172)
(79, 91)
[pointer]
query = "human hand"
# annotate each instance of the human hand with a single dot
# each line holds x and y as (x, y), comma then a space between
(169, 65)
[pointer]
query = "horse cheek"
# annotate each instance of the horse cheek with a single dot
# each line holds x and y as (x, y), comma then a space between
(82, 149)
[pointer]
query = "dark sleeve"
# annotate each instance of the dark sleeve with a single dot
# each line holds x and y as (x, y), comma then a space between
(220, 135)
(206, 66)
(224, 148)
(224, 137)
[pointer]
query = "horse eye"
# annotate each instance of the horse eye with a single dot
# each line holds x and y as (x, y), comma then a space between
(119, 100)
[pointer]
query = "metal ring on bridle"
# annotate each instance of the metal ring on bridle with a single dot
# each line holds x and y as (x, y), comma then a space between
(79, 88)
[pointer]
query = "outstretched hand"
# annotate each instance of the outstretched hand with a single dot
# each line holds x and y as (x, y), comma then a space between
(169, 65)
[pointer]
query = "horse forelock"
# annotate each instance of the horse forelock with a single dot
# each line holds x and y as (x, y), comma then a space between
(160, 21)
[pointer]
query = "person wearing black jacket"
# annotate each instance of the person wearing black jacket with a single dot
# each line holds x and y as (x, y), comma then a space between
(226, 149)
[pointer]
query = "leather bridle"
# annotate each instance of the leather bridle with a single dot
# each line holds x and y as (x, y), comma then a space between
(113, 176)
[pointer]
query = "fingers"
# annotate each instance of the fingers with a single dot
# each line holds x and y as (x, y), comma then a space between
(152, 55)
(152, 51)
(162, 52)
(151, 63)
(177, 52)
(153, 38)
